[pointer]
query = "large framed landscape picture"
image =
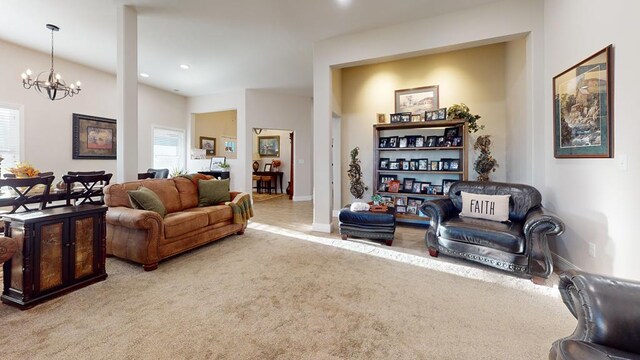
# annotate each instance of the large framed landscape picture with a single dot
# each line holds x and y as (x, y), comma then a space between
(94, 137)
(417, 101)
(582, 109)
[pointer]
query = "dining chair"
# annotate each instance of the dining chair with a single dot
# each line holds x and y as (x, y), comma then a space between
(89, 191)
(24, 194)
(146, 175)
(159, 173)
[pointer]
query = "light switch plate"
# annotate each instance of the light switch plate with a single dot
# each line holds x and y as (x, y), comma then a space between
(623, 162)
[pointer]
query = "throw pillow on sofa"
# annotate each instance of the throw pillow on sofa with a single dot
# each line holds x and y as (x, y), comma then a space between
(146, 199)
(490, 207)
(212, 192)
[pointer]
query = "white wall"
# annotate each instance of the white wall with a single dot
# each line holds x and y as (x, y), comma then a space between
(270, 110)
(48, 124)
(595, 198)
(518, 142)
(495, 22)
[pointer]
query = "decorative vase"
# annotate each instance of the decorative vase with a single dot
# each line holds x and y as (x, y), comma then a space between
(256, 166)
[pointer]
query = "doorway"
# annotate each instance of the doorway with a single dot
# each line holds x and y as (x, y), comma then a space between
(273, 164)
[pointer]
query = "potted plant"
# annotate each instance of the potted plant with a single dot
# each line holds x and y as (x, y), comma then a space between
(461, 111)
(485, 163)
(225, 166)
(357, 187)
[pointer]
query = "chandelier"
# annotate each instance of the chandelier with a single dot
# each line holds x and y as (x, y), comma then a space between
(49, 83)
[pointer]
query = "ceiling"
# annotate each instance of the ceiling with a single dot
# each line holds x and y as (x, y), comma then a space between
(232, 44)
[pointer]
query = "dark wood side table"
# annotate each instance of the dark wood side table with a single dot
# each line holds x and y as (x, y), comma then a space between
(217, 173)
(59, 250)
(279, 175)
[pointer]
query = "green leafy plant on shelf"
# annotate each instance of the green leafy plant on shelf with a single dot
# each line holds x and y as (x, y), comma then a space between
(177, 172)
(225, 166)
(461, 111)
(357, 187)
(376, 199)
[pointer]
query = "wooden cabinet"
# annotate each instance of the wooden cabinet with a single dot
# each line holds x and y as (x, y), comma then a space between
(425, 155)
(60, 250)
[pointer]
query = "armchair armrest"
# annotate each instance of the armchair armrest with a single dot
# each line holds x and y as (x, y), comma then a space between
(540, 219)
(607, 309)
(134, 218)
(538, 224)
(438, 210)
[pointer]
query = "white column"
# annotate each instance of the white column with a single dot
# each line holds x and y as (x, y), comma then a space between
(127, 87)
(322, 117)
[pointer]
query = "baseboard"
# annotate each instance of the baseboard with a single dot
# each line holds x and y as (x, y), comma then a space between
(562, 264)
(336, 213)
(325, 228)
(302, 198)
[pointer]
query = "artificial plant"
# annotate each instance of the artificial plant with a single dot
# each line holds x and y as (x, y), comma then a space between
(357, 187)
(461, 111)
(485, 163)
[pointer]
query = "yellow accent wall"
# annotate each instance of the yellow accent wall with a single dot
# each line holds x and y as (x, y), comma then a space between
(474, 76)
(216, 125)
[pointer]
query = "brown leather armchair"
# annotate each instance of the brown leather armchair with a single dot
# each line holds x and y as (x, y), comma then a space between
(608, 313)
(519, 246)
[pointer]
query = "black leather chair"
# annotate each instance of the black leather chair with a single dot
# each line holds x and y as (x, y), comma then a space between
(519, 246)
(159, 173)
(608, 313)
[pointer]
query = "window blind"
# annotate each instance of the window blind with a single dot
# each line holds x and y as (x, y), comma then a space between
(9, 137)
(168, 149)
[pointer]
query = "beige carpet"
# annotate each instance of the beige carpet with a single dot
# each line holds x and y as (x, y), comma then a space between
(267, 296)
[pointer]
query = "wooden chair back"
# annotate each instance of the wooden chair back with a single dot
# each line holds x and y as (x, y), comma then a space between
(91, 190)
(147, 175)
(23, 194)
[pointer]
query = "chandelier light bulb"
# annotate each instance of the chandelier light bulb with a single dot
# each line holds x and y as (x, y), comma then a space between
(24, 76)
(29, 72)
(72, 86)
(46, 83)
(58, 77)
(78, 83)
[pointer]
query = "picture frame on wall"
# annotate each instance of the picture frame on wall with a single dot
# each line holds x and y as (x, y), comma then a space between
(208, 144)
(417, 100)
(583, 107)
(93, 137)
(269, 146)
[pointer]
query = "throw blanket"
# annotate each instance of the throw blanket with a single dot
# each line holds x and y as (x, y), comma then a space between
(241, 208)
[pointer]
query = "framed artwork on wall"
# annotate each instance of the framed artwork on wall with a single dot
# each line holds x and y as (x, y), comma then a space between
(209, 144)
(583, 107)
(417, 101)
(94, 137)
(230, 147)
(269, 146)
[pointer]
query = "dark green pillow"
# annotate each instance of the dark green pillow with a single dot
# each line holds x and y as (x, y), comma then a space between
(211, 192)
(146, 199)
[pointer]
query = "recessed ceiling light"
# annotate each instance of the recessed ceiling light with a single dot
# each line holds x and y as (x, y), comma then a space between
(185, 66)
(344, 2)
(176, 90)
(145, 75)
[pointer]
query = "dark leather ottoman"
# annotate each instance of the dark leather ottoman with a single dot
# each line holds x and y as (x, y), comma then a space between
(367, 224)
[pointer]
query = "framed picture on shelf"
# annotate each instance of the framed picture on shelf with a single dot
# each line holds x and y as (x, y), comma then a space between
(394, 165)
(383, 182)
(401, 209)
(419, 141)
(411, 141)
(394, 186)
(435, 164)
(454, 164)
(423, 164)
(417, 185)
(401, 201)
(400, 163)
(408, 184)
(441, 142)
(416, 118)
(428, 115)
(445, 164)
(417, 100)
(446, 185)
(388, 200)
(406, 117)
(384, 164)
(406, 165)
(395, 118)
(412, 205)
(383, 142)
(582, 109)
(457, 141)
(432, 141)
(413, 165)
(437, 189)
(424, 187)
(403, 142)
(393, 141)
(382, 118)
(451, 132)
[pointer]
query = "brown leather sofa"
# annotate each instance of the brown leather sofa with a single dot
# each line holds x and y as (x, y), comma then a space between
(146, 238)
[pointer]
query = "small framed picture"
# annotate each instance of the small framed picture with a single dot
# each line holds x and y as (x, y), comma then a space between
(403, 142)
(382, 118)
(383, 182)
(408, 184)
(437, 189)
(419, 141)
(406, 165)
(441, 141)
(413, 165)
(388, 200)
(417, 185)
(457, 141)
(395, 118)
(454, 164)
(445, 164)
(411, 141)
(432, 141)
(451, 132)
(393, 142)
(415, 118)
(435, 164)
(401, 201)
(383, 142)
(446, 185)
(406, 117)
(423, 164)
(384, 164)
(394, 186)
(394, 165)
(428, 115)
(413, 204)
(401, 209)
(441, 114)
(424, 187)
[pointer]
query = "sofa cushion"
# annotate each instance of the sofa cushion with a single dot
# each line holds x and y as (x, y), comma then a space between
(146, 199)
(500, 236)
(166, 191)
(188, 192)
(182, 222)
(490, 207)
(216, 213)
(213, 192)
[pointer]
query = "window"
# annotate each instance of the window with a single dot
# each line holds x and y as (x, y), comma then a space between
(9, 137)
(168, 149)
